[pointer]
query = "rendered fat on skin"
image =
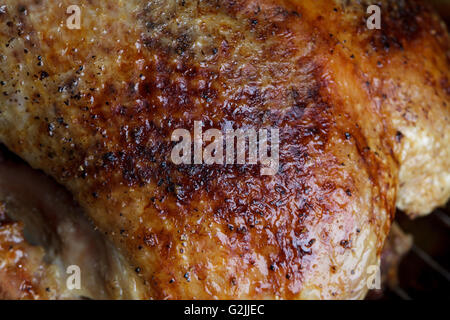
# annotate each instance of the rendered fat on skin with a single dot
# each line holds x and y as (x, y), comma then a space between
(363, 118)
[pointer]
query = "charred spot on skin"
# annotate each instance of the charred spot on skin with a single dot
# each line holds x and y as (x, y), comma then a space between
(43, 75)
(109, 157)
(398, 136)
(346, 244)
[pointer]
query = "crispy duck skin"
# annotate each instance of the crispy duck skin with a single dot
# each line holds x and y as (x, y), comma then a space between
(363, 118)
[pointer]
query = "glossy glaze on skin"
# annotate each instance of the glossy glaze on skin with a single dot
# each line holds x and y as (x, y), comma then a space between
(362, 114)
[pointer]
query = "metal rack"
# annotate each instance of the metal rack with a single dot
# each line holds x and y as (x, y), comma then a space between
(424, 271)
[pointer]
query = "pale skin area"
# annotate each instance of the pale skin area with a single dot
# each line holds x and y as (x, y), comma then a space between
(99, 121)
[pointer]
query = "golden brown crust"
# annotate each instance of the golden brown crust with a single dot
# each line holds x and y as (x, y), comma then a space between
(95, 108)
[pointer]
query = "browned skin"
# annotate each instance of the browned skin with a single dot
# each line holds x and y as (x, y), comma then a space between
(95, 108)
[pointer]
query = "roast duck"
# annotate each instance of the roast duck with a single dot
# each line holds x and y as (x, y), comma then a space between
(362, 116)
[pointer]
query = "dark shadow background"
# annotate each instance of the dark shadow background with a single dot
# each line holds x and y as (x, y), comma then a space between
(443, 7)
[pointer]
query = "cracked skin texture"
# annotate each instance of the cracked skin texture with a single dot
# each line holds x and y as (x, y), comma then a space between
(361, 114)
